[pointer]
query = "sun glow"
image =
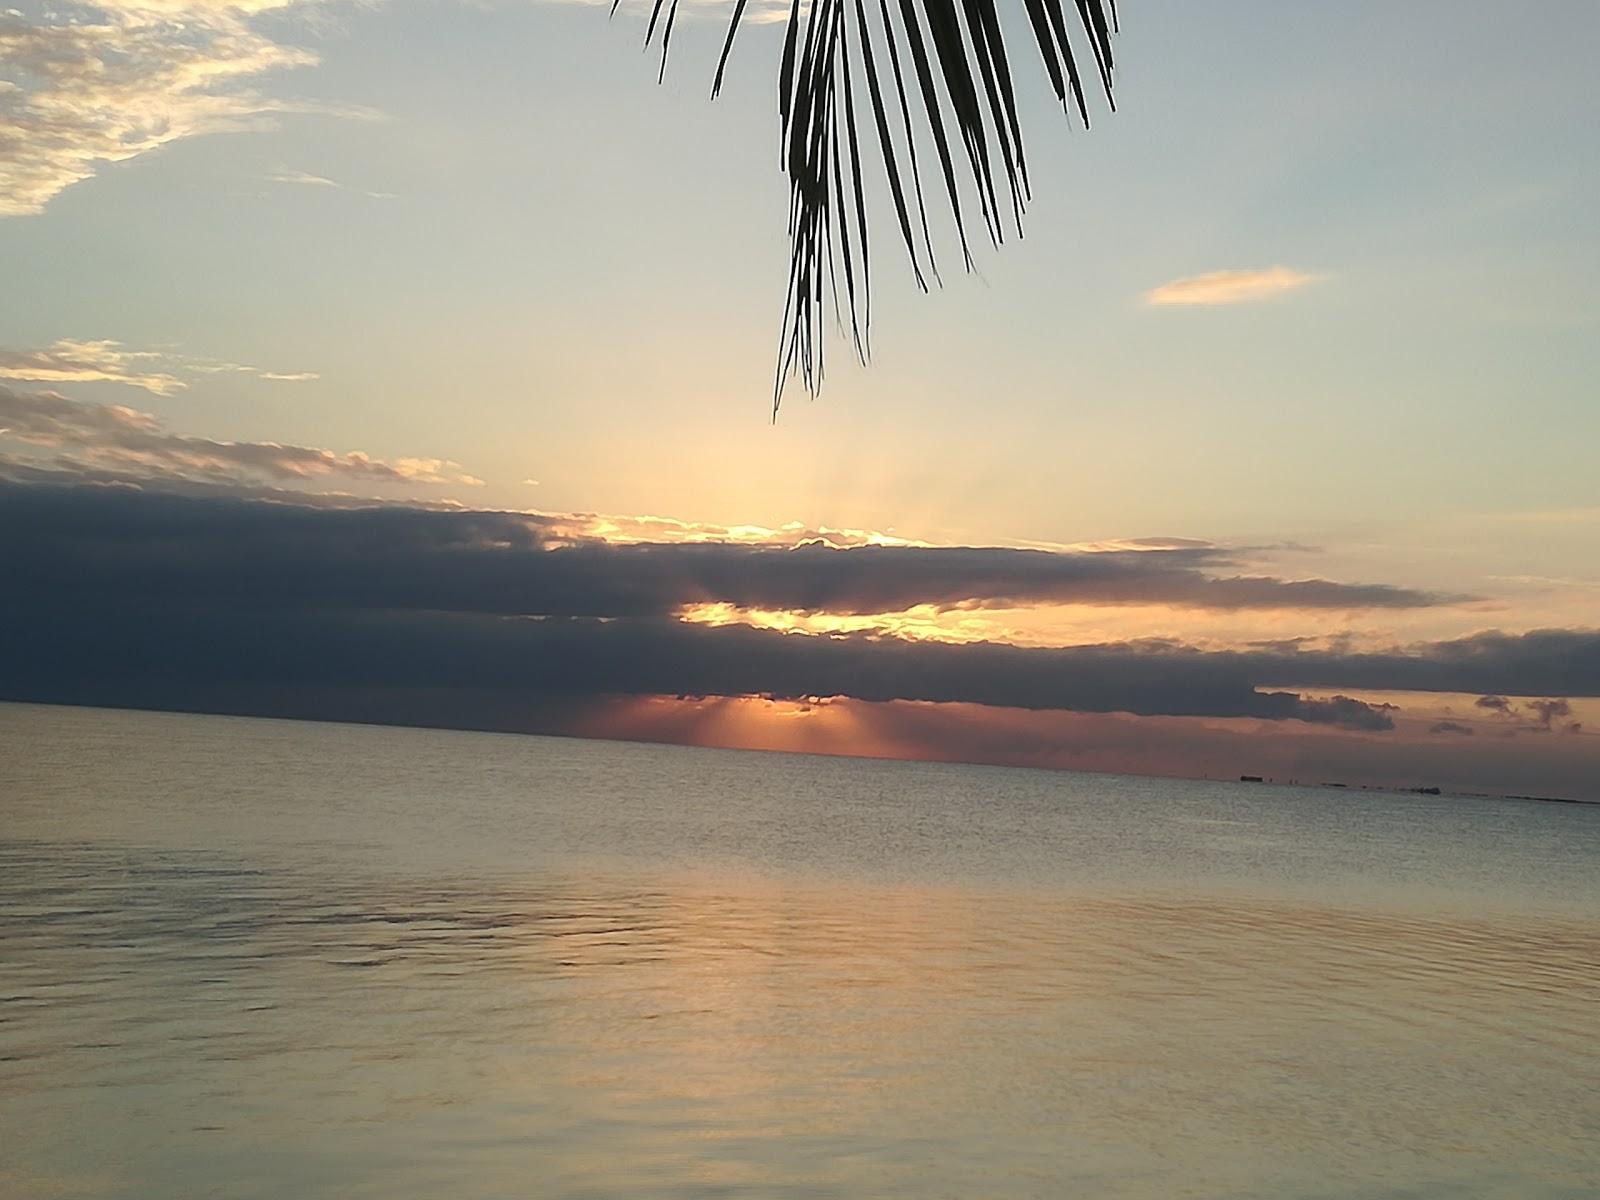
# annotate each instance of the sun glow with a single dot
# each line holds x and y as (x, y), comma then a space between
(925, 622)
(1061, 625)
(804, 725)
(621, 529)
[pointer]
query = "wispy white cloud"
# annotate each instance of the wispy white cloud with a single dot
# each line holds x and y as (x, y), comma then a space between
(107, 82)
(83, 84)
(283, 175)
(110, 437)
(1229, 287)
(305, 179)
(72, 360)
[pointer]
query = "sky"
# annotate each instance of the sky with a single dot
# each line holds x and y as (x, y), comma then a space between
(412, 362)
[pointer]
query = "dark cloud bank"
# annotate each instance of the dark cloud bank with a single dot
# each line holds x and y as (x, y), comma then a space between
(160, 546)
(129, 597)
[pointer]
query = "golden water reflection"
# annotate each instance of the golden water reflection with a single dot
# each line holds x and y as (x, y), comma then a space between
(235, 1030)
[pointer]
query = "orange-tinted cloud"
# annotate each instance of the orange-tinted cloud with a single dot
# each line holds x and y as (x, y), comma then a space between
(1228, 287)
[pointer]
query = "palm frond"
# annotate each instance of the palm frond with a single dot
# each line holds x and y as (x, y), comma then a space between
(948, 78)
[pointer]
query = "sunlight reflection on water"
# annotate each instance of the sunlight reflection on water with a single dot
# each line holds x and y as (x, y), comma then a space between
(238, 1019)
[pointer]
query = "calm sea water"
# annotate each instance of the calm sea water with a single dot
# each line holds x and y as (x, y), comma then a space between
(249, 958)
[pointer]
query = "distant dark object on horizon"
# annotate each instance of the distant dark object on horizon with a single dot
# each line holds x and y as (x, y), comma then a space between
(1251, 779)
(953, 60)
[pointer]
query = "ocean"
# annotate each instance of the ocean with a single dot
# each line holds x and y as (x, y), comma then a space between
(249, 958)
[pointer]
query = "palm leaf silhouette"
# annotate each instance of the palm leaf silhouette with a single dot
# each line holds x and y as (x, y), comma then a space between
(934, 71)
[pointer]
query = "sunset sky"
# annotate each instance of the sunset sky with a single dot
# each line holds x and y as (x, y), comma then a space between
(412, 362)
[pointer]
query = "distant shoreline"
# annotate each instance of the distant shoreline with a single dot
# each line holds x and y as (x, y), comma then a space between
(246, 714)
(1400, 789)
